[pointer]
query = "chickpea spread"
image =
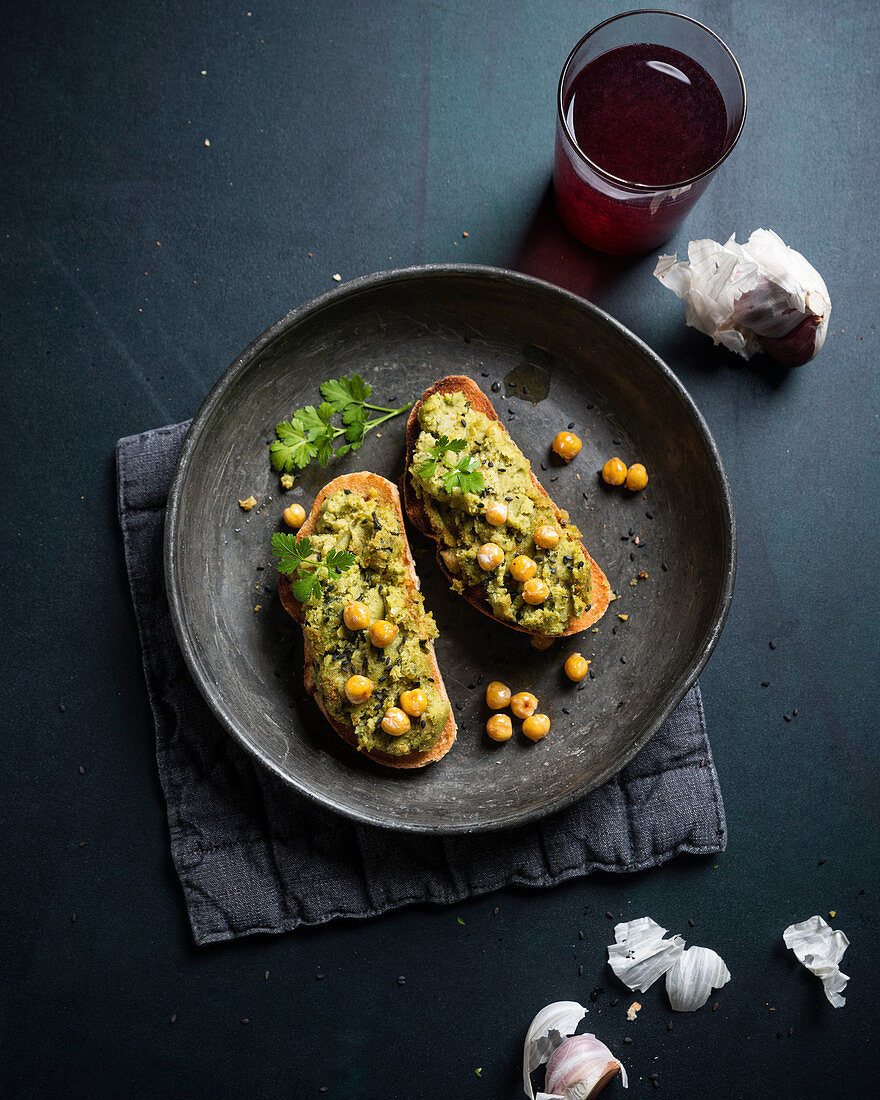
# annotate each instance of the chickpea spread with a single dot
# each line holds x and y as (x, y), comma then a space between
(467, 522)
(365, 674)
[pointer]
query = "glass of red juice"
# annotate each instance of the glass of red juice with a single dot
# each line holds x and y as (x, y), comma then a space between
(650, 104)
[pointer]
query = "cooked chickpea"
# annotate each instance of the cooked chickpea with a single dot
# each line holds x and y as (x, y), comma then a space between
(567, 445)
(636, 477)
(382, 633)
(395, 722)
(358, 689)
(356, 616)
(490, 556)
(535, 592)
(414, 702)
(497, 695)
(499, 727)
(524, 704)
(536, 727)
(576, 667)
(546, 536)
(496, 513)
(522, 568)
(614, 472)
(294, 515)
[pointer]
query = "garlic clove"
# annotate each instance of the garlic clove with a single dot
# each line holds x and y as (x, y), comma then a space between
(580, 1068)
(640, 955)
(695, 973)
(548, 1029)
(820, 950)
(762, 295)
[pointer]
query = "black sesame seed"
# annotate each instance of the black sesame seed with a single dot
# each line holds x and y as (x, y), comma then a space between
(622, 659)
(821, 861)
(765, 683)
(609, 914)
(580, 935)
(580, 971)
(401, 980)
(773, 645)
(664, 566)
(496, 386)
(669, 1025)
(649, 515)
(565, 710)
(614, 1002)
(627, 1039)
(691, 921)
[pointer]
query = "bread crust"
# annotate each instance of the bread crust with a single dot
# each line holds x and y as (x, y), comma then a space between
(386, 492)
(600, 588)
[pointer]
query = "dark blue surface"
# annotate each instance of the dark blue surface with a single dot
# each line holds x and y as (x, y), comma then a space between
(137, 261)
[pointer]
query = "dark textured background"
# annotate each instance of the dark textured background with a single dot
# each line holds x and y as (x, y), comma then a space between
(137, 261)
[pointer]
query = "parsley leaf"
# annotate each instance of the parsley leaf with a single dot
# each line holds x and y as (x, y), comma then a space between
(292, 450)
(465, 476)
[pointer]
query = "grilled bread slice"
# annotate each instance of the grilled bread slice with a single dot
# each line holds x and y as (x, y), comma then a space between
(445, 533)
(329, 657)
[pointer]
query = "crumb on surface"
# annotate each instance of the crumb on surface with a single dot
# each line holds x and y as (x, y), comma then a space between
(246, 505)
(632, 1011)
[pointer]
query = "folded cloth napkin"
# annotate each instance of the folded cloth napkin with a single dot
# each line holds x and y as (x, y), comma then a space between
(253, 856)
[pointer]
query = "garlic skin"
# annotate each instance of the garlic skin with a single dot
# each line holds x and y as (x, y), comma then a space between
(820, 950)
(580, 1068)
(640, 955)
(692, 978)
(760, 296)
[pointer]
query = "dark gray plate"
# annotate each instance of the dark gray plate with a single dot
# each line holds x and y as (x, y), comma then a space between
(402, 330)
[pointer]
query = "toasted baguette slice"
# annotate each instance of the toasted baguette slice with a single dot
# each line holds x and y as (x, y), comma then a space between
(600, 588)
(386, 492)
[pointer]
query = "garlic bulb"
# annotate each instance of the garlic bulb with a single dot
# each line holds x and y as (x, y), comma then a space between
(580, 1068)
(758, 296)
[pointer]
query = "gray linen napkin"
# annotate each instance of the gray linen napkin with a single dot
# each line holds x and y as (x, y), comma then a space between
(253, 856)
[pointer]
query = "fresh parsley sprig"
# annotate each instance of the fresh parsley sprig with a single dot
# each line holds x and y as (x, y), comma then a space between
(466, 475)
(297, 556)
(311, 434)
(437, 452)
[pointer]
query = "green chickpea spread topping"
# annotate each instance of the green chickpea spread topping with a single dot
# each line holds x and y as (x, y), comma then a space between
(371, 531)
(459, 517)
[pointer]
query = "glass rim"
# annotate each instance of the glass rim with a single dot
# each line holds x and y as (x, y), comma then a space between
(649, 187)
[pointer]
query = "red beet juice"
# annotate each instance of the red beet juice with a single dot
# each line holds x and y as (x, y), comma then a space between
(646, 115)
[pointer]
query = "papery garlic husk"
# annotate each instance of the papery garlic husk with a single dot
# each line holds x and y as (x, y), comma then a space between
(640, 955)
(580, 1068)
(758, 296)
(820, 950)
(548, 1029)
(693, 976)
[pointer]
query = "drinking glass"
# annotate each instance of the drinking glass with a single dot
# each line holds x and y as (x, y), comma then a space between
(616, 214)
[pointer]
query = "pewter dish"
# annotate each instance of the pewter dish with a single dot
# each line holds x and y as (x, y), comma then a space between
(547, 359)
